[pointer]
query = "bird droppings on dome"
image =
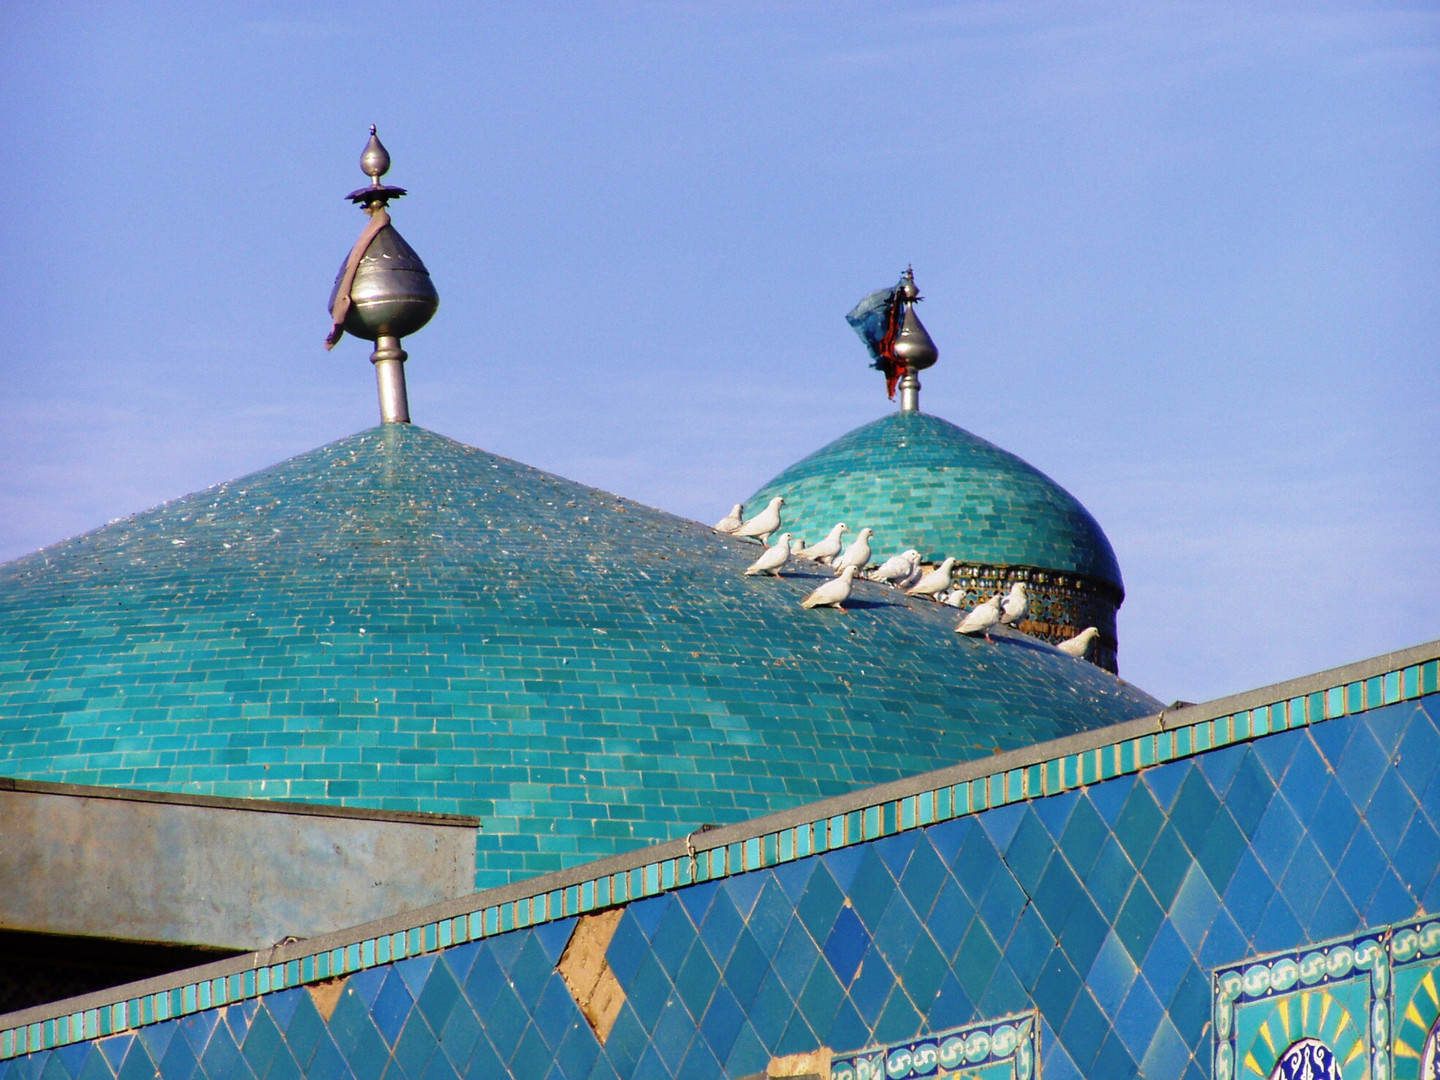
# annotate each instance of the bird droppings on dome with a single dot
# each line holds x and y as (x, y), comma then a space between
(396, 620)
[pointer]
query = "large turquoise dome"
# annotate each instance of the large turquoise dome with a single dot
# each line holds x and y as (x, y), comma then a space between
(922, 482)
(398, 620)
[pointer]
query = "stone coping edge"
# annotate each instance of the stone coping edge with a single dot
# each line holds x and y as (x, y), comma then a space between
(254, 806)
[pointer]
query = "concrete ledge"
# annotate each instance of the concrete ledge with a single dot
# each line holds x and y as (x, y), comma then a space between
(229, 874)
(251, 806)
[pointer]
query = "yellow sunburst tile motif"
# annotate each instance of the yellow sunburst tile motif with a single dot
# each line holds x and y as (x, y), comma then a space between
(1309, 1013)
(1415, 978)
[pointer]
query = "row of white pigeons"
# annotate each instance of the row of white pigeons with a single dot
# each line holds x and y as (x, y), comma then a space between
(903, 571)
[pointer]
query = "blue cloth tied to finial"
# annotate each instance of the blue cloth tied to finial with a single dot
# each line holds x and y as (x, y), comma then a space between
(877, 320)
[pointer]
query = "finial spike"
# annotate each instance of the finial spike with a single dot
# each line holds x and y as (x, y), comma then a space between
(907, 287)
(375, 160)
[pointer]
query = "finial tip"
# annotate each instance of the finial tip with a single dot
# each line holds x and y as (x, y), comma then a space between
(908, 289)
(375, 160)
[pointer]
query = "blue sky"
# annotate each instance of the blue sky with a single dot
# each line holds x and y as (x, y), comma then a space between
(1183, 258)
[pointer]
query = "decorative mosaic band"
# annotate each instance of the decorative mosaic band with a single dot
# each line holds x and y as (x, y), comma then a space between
(1002, 1049)
(706, 858)
(1333, 1003)
(1061, 605)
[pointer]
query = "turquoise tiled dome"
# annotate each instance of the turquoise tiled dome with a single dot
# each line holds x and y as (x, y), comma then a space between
(920, 481)
(397, 620)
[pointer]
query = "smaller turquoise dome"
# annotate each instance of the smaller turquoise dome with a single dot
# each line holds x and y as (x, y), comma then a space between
(920, 481)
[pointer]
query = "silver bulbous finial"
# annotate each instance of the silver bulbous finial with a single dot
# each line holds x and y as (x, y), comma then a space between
(391, 294)
(375, 161)
(914, 347)
(913, 344)
(383, 291)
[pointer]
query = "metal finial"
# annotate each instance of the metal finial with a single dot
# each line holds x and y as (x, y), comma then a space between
(383, 291)
(907, 285)
(375, 161)
(914, 348)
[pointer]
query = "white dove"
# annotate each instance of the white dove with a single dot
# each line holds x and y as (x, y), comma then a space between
(897, 568)
(858, 553)
(731, 521)
(982, 618)
(933, 583)
(827, 548)
(917, 571)
(1016, 606)
(762, 524)
(833, 593)
(773, 558)
(955, 597)
(1079, 645)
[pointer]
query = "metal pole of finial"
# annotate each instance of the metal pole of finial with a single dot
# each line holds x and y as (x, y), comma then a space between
(389, 360)
(910, 392)
(910, 381)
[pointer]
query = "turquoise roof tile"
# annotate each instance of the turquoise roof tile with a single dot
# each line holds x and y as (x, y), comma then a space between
(920, 481)
(398, 620)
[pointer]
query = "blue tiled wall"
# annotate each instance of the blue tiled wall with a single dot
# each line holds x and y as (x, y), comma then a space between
(1108, 909)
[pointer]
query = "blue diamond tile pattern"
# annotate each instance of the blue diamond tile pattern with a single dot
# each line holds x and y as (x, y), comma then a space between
(399, 621)
(920, 481)
(1104, 912)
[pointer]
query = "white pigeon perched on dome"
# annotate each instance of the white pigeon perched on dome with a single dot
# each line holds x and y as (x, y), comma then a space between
(858, 553)
(981, 619)
(762, 524)
(827, 548)
(1015, 607)
(935, 582)
(833, 593)
(897, 568)
(955, 597)
(773, 559)
(731, 521)
(1079, 645)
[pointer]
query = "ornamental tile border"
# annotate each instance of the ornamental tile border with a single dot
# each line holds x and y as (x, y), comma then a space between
(1006, 1048)
(1046, 769)
(1415, 1000)
(1369, 999)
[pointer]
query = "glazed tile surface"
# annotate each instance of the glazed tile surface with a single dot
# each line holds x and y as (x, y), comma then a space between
(920, 481)
(397, 620)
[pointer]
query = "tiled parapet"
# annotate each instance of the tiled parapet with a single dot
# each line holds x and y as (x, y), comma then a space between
(920, 481)
(399, 621)
(1103, 893)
